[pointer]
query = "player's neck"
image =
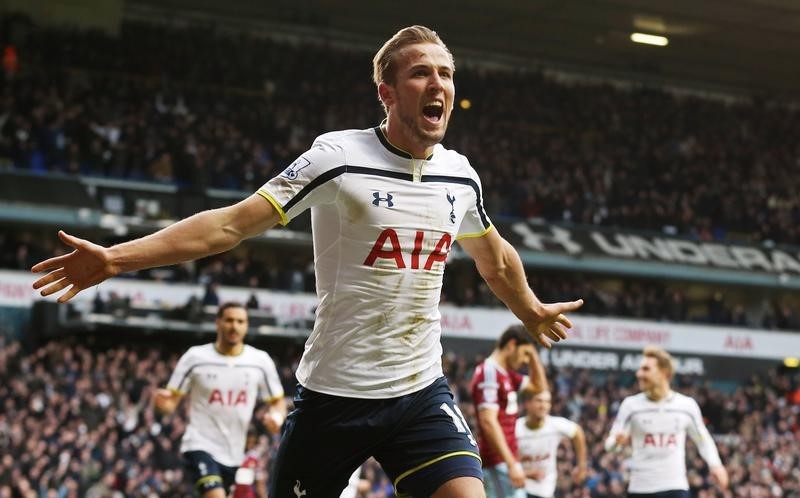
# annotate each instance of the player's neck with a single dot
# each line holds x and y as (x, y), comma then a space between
(658, 393)
(394, 134)
(229, 350)
(534, 422)
(500, 359)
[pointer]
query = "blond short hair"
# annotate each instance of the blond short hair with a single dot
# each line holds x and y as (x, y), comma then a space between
(663, 359)
(383, 64)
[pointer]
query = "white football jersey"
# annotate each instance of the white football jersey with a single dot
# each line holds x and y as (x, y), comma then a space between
(658, 437)
(538, 448)
(222, 392)
(383, 225)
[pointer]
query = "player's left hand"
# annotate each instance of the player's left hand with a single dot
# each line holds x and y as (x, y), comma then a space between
(516, 475)
(720, 476)
(551, 323)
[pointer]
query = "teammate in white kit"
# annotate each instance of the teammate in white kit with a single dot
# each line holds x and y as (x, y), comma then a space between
(655, 423)
(224, 380)
(538, 436)
(386, 205)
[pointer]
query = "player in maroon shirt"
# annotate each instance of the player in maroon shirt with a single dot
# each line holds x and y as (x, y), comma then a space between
(494, 390)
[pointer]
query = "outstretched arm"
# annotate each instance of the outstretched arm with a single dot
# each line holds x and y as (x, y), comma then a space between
(499, 264)
(203, 234)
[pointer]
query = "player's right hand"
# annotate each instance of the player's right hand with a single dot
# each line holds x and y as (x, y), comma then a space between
(622, 439)
(87, 265)
(720, 476)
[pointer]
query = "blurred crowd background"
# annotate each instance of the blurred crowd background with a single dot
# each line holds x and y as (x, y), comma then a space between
(143, 106)
(77, 420)
(196, 107)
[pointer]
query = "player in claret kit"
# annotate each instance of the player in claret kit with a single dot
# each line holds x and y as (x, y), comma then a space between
(224, 380)
(494, 388)
(655, 423)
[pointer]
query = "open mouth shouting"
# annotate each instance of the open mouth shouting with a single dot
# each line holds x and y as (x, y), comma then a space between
(433, 111)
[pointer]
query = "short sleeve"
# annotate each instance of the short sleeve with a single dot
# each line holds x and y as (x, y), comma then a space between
(476, 222)
(270, 387)
(566, 427)
(310, 180)
(181, 380)
(622, 421)
(486, 389)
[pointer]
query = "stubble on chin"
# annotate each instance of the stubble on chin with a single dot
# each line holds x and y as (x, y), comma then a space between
(422, 136)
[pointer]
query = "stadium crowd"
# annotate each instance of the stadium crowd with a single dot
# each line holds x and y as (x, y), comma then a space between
(77, 421)
(143, 106)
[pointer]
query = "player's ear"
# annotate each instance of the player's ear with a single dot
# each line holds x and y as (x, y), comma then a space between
(386, 93)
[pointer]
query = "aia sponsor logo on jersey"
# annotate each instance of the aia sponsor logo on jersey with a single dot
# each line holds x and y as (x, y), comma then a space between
(660, 440)
(387, 246)
(229, 397)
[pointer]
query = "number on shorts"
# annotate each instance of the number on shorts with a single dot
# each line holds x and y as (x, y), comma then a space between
(458, 421)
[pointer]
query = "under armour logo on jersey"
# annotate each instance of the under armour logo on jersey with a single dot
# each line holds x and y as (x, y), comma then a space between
(379, 199)
(300, 163)
(297, 491)
(452, 200)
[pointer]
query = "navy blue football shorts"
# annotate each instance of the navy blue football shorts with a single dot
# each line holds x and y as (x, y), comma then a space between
(675, 493)
(421, 440)
(206, 474)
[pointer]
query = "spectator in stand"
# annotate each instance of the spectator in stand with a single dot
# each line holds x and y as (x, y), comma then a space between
(208, 118)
